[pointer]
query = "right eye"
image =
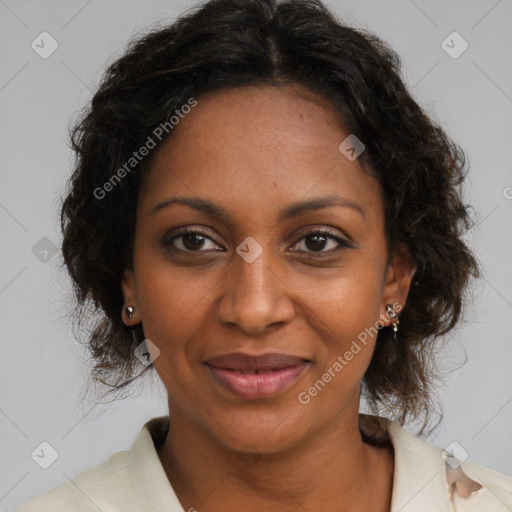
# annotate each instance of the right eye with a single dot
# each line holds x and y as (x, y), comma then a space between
(188, 240)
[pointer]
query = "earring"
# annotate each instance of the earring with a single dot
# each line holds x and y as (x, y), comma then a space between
(129, 311)
(391, 313)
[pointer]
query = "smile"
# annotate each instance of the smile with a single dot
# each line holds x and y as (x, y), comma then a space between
(254, 384)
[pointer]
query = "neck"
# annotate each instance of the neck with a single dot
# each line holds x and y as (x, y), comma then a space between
(332, 470)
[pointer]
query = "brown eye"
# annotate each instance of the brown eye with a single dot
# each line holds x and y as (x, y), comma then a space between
(317, 241)
(192, 241)
(189, 240)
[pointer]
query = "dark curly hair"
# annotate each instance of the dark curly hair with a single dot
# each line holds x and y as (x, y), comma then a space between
(223, 44)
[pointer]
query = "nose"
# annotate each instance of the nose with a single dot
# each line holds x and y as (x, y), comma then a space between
(254, 296)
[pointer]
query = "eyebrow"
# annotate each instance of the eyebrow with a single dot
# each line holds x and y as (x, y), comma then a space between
(294, 210)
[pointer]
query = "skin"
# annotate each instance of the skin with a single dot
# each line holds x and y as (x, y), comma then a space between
(254, 151)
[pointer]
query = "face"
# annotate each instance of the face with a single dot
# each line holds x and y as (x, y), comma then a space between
(284, 253)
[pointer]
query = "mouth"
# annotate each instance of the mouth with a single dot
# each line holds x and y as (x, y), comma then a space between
(256, 377)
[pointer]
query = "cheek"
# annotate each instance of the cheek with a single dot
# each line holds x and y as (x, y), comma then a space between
(348, 301)
(171, 306)
(345, 313)
(347, 349)
(171, 313)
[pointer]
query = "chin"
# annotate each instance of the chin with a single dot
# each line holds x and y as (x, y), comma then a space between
(259, 431)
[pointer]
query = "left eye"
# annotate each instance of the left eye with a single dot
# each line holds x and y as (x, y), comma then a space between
(315, 241)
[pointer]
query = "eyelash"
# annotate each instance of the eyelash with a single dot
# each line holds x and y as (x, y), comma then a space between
(343, 244)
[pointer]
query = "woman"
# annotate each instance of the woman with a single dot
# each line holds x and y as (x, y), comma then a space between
(262, 213)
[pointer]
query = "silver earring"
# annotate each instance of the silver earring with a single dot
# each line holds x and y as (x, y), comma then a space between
(129, 311)
(391, 313)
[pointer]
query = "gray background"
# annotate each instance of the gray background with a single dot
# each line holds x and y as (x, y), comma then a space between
(43, 369)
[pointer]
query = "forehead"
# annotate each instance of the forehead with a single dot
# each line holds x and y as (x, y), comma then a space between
(266, 117)
(260, 145)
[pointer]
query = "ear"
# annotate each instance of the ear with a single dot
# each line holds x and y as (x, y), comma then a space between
(397, 281)
(129, 290)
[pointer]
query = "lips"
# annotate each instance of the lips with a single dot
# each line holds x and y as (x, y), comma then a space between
(245, 362)
(260, 376)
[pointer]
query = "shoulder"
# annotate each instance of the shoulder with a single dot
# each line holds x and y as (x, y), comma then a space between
(130, 481)
(495, 490)
(428, 476)
(105, 480)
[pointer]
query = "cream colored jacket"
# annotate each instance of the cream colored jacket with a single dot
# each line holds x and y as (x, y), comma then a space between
(425, 480)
